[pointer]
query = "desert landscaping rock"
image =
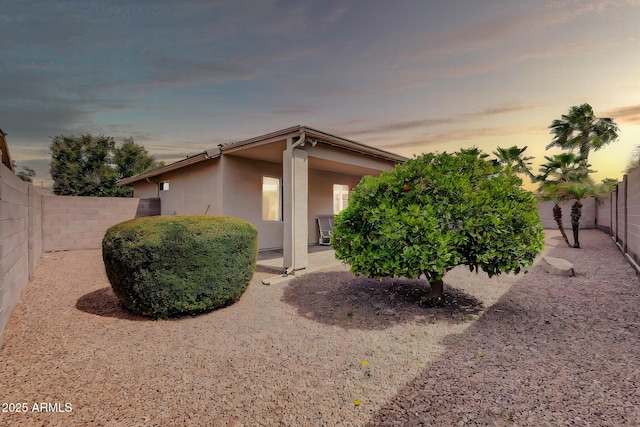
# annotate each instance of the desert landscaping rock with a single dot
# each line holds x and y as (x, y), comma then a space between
(506, 351)
(557, 266)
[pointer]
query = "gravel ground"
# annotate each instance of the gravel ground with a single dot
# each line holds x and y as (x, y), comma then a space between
(512, 350)
(553, 351)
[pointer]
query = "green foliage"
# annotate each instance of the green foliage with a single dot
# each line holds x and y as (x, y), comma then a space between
(513, 157)
(26, 174)
(435, 212)
(608, 184)
(581, 129)
(166, 266)
(633, 161)
(91, 166)
(132, 159)
(566, 176)
(563, 167)
(578, 190)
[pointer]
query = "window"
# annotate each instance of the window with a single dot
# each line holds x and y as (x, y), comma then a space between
(340, 197)
(271, 199)
(164, 186)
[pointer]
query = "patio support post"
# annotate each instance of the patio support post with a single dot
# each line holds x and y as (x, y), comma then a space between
(295, 174)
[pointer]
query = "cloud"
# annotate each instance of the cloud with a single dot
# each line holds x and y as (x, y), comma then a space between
(629, 114)
(505, 25)
(421, 124)
(399, 126)
(181, 72)
(460, 135)
(500, 109)
(295, 109)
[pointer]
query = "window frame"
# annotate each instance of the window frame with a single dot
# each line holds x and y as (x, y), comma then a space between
(339, 191)
(279, 202)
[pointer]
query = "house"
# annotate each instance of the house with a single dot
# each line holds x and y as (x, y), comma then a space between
(280, 182)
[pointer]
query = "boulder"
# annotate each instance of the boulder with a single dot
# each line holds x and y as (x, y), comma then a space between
(557, 266)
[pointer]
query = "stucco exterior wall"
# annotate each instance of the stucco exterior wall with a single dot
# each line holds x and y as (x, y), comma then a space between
(321, 196)
(192, 190)
(144, 189)
(242, 196)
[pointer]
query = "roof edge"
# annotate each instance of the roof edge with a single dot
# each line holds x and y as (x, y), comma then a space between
(197, 158)
(325, 137)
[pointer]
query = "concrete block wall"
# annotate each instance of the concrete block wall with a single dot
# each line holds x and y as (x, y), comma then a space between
(35, 229)
(15, 199)
(622, 210)
(633, 215)
(603, 213)
(619, 216)
(72, 223)
(588, 219)
(614, 213)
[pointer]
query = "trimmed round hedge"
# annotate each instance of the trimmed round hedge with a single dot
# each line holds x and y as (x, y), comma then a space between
(166, 266)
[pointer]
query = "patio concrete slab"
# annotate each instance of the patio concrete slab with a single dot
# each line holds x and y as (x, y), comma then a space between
(320, 258)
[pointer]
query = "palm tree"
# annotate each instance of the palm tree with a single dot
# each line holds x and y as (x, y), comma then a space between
(582, 130)
(560, 170)
(474, 151)
(608, 184)
(550, 192)
(512, 157)
(563, 167)
(577, 191)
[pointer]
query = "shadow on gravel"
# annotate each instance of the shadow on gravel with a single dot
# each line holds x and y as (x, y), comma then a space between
(350, 302)
(537, 344)
(105, 303)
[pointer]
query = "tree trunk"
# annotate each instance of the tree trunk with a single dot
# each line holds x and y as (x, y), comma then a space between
(435, 296)
(557, 215)
(576, 213)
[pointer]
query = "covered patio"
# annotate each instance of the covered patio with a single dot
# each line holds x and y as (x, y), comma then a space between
(319, 257)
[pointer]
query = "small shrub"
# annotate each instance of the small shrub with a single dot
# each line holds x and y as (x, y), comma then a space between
(165, 266)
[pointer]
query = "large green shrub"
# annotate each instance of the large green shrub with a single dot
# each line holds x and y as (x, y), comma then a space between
(435, 212)
(166, 266)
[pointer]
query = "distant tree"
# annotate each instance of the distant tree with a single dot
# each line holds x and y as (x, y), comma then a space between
(582, 130)
(513, 157)
(608, 184)
(26, 174)
(132, 159)
(436, 212)
(91, 165)
(634, 161)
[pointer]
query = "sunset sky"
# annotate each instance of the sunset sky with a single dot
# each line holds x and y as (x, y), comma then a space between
(405, 76)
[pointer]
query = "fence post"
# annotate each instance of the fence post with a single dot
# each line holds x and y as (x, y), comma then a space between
(611, 202)
(617, 235)
(625, 183)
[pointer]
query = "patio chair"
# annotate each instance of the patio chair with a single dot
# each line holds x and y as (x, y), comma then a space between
(325, 225)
